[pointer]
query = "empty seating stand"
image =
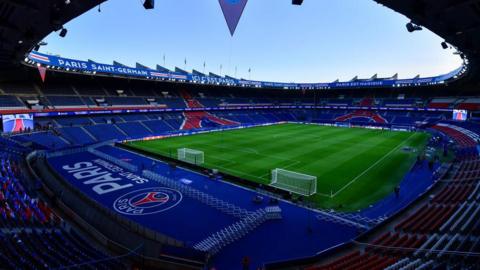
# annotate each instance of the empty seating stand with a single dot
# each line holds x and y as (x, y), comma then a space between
(158, 126)
(471, 104)
(10, 102)
(77, 135)
(105, 132)
(135, 129)
(66, 101)
(46, 139)
(33, 237)
(26, 89)
(441, 103)
(126, 101)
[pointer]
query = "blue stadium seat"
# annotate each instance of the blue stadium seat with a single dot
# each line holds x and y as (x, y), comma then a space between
(135, 129)
(10, 102)
(65, 101)
(105, 132)
(158, 126)
(76, 135)
(45, 139)
(126, 101)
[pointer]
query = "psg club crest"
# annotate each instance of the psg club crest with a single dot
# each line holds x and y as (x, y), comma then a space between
(147, 201)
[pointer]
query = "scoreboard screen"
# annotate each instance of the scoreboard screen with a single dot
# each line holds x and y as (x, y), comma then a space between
(17, 122)
(460, 115)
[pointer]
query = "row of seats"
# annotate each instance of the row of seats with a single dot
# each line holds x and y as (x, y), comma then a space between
(50, 248)
(81, 130)
(60, 96)
(32, 235)
(67, 132)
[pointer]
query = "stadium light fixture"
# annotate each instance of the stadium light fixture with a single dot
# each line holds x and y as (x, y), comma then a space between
(411, 27)
(149, 4)
(63, 32)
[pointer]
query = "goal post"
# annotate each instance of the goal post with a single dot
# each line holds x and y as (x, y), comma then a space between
(298, 183)
(191, 156)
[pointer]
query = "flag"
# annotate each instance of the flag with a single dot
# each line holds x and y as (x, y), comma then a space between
(232, 10)
(43, 72)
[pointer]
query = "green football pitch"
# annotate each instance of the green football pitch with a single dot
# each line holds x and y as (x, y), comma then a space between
(354, 167)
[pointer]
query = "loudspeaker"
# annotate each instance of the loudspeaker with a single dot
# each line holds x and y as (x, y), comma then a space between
(149, 4)
(63, 32)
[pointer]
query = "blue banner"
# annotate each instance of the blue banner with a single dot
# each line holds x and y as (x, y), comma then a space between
(77, 112)
(94, 68)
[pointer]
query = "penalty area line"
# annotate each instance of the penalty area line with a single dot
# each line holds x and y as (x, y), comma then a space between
(371, 167)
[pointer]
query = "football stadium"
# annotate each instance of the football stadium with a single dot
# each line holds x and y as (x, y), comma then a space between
(241, 148)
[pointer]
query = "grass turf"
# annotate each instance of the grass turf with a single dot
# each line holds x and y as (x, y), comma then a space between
(358, 166)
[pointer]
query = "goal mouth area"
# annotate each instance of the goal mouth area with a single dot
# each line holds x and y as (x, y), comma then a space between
(294, 182)
(291, 189)
(191, 156)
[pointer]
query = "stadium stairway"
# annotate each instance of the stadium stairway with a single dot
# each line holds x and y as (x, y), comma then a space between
(214, 243)
(203, 197)
(360, 222)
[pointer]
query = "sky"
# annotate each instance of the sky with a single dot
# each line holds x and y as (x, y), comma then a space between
(320, 41)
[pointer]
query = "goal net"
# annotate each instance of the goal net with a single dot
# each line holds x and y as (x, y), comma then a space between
(294, 182)
(191, 156)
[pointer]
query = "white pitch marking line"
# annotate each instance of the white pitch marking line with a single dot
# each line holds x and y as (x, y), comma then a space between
(239, 172)
(295, 162)
(243, 150)
(369, 168)
(251, 150)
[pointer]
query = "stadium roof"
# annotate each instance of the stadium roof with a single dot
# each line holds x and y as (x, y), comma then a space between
(457, 21)
(24, 23)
